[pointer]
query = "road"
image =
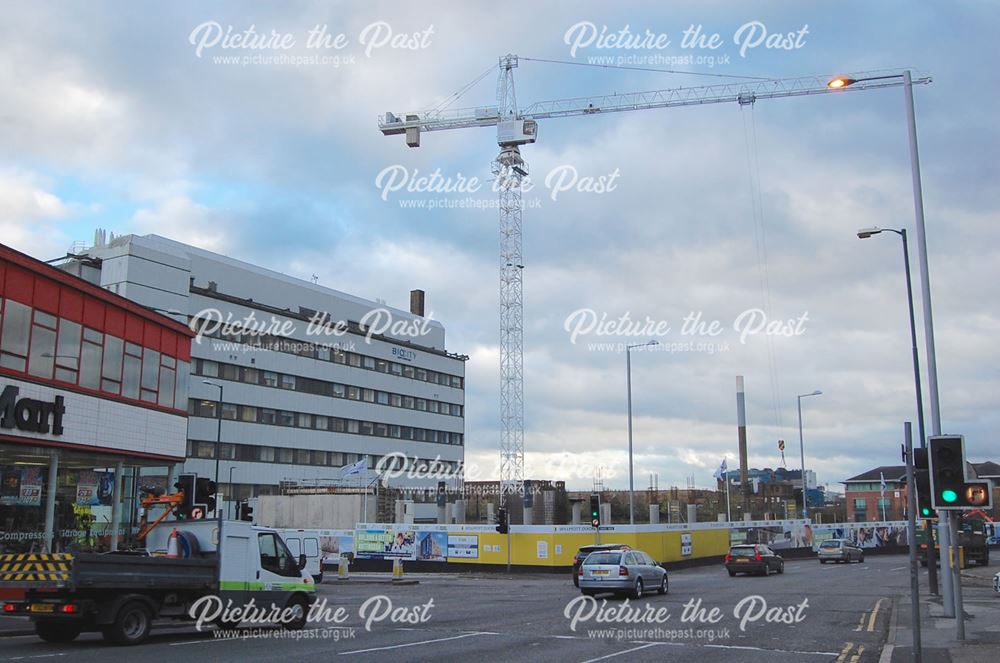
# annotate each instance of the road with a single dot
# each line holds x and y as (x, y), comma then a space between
(842, 613)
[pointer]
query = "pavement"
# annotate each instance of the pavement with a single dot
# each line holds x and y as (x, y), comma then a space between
(938, 633)
(812, 612)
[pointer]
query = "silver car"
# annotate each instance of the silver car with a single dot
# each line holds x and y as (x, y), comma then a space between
(839, 550)
(628, 572)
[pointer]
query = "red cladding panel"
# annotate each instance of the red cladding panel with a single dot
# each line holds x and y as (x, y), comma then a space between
(93, 313)
(151, 336)
(46, 296)
(133, 329)
(115, 322)
(19, 285)
(71, 305)
(168, 343)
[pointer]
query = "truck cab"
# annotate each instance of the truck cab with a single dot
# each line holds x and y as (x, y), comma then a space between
(202, 570)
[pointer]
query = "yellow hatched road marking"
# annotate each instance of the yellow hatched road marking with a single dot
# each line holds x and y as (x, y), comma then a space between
(843, 652)
(861, 622)
(857, 657)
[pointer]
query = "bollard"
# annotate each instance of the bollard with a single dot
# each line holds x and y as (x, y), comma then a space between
(397, 569)
(343, 569)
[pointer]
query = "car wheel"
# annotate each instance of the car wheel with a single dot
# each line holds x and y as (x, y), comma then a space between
(57, 631)
(781, 567)
(861, 560)
(131, 625)
(576, 580)
(732, 574)
(767, 570)
(663, 585)
(588, 592)
(637, 591)
(822, 561)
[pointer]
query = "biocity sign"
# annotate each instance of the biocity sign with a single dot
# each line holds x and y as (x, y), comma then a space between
(29, 414)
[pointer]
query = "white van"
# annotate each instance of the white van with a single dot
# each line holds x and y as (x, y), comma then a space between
(305, 542)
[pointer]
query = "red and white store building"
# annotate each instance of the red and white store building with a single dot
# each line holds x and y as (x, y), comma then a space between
(93, 407)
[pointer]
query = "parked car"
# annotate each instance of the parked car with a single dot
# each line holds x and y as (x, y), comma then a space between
(582, 553)
(840, 550)
(996, 583)
(753, 558)
(630, 572)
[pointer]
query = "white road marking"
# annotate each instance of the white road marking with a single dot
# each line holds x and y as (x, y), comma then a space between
(627, 651)
(414, 644)
(778, 651)
(898, 568)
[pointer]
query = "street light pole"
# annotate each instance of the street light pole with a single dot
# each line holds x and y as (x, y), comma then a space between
(802, 454)
(628, 382)
(950, 581)
(865, 234)
(231, 468)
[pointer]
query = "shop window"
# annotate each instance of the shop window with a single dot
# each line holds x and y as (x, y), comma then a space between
(90, 364)
(150, 370)
(114, 349)
(43, 350)
(166, 394)
(68, 351)
(132, 370)
(183, 375)
(14, 342)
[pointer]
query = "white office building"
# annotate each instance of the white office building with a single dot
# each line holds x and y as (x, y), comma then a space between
(310, 380)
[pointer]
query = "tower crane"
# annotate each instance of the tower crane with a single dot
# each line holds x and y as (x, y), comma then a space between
(519, 126)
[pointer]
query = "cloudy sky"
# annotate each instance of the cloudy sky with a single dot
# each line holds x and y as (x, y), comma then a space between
(143, 117)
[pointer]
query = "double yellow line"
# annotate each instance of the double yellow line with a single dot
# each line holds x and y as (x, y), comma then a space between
(871, 618)
(848, 647)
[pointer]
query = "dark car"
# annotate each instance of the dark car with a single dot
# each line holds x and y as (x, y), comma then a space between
(757, 559)
(582, 553)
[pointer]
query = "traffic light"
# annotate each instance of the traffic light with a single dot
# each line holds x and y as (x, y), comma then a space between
(244, 512)
(949, 487)
(186, 485)
(204, 494)
(595, 511)
(503, 525)
(922, 484)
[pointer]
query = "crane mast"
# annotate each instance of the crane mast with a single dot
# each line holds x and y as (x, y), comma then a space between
(516, 128)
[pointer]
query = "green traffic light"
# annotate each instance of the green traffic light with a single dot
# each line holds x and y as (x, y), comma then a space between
(949, 495)
(925, 511)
